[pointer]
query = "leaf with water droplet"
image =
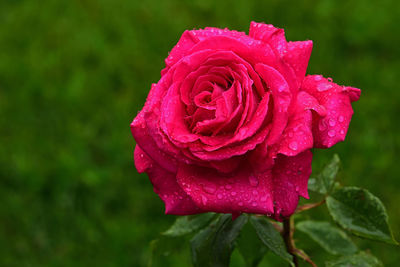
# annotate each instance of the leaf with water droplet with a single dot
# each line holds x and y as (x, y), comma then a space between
(331, 238)
(324, 181)
(271, 238)
(189, 224)
(213, 245)
(361, 259)
(361, 213)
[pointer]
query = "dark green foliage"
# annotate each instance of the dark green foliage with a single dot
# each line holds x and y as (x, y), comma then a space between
(360, 212)
(325, 179)
(332, 239)
(250, 246)
(361, 259)
(270, 237)
(212, 247)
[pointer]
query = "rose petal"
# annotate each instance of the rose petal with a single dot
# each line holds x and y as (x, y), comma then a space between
(240, 191)
(141, 134)
(281, 96)
(290, 178)
(297, 56)
(332, 128)
(269, 34)
(297, 136)
(176, 201)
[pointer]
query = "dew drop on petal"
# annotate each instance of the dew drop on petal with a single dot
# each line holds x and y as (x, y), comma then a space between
(318, 78)
(341, 118)
(253, 180)
(342, 131)
(254, 204)
(228, 187)
(209, 188)
(204, 199)
(240, 203)
(332, 122)
(233, 193)
(293, 145)
(323, 87)
(331, 133)
(219, 196)
(322, 125)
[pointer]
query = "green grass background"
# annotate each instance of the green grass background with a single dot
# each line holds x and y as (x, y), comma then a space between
(73, 74)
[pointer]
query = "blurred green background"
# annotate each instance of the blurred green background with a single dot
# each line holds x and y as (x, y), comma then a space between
(73, 74)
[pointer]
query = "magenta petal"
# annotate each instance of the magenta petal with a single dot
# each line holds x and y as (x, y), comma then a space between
(185, 43)
(240, 191)
(269, 34)
(176, 201)
(281, 96)
(297, 136)
(297, 56)
(332, 128)
(290, 178)
(143, 138)
(164, 182)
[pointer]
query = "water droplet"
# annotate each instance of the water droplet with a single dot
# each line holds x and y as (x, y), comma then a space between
(318, 77)
(291, 134)
(204, 200)
(330, 79)
(341, 118)
(240, 203)
(255, 192)
(331, 133)
(228, 187)
(297, 188)
(332, 122)
(253, 180)
(233, 193)
(209, 188)
(219, 196)
(323, 87)
(254, 204)
(322, 125)
(263, 198)
(293, 145)
(342, 131)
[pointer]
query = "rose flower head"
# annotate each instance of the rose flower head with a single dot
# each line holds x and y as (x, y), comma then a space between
(229, 126)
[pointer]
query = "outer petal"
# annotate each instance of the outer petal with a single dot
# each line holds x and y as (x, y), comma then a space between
(332, 128)
(141, 134)
(281, 96)
(269, 34)
(297, 56)
(240, 191)
(290, 178)
(176, 201)
(298, 136)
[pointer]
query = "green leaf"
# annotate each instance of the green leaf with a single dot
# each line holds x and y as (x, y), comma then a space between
(360, 212)
(361, 259)
(213, 245)
(189, 224)
(250, 246)
(271, 237)
(324, 181)
(331, 238)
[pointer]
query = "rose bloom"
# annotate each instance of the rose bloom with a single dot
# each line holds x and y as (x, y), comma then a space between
(229, 126)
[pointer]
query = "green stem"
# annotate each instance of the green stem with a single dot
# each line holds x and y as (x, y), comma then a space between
(287, 234)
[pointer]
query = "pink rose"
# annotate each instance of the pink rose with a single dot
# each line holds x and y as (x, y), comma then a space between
(229, 126)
